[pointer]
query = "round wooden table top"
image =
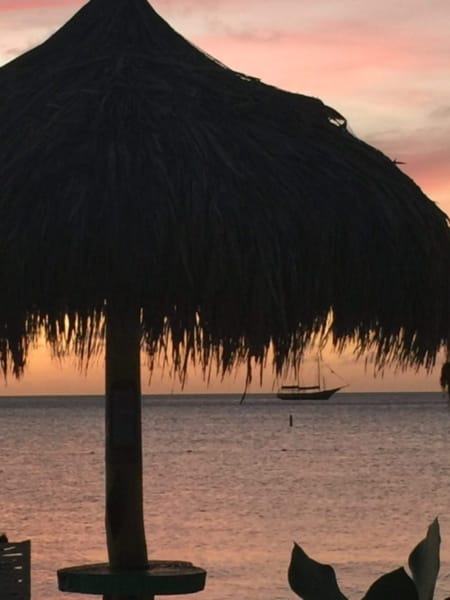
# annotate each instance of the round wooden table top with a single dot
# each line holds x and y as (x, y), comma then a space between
(161, 578)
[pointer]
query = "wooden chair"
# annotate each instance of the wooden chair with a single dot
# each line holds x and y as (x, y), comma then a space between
(15, 570)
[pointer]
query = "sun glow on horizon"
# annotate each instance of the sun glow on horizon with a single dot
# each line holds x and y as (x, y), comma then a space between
(47, 375)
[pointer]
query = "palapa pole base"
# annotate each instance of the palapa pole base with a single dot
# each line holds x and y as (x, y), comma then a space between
(162, 578)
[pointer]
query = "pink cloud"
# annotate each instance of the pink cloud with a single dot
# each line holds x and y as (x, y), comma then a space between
(356, 49)
(13, 5)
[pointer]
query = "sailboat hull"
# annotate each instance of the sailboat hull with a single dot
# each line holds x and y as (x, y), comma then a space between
(293, 394)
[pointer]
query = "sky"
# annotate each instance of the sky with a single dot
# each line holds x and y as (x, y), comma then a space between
(383, 65)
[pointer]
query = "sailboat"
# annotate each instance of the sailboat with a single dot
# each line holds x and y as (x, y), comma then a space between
(318, 391)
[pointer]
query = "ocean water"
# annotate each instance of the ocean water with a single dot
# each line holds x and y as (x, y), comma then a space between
(355, 481)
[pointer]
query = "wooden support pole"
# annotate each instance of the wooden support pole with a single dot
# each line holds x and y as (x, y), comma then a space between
(123, 439)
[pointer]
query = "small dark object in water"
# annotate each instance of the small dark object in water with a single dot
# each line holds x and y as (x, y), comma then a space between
(3, 538)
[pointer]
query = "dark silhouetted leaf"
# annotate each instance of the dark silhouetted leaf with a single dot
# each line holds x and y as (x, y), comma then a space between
(424, 562)
(310, 579)
(396, 585)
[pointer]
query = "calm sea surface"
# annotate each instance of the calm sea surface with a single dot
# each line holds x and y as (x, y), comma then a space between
(355, 481)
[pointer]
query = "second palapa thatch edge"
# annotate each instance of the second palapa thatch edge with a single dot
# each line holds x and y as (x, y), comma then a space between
(235, 214)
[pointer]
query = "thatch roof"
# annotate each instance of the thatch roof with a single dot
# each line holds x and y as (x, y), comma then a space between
(236, 214)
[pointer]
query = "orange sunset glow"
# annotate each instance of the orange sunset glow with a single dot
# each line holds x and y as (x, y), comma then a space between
(383, 65)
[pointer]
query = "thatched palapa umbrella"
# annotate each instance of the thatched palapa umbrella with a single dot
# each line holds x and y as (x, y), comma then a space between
(198, 212)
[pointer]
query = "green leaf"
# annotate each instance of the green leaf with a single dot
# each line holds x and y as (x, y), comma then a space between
(424, 562)
(396, 585)
(310, 579)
